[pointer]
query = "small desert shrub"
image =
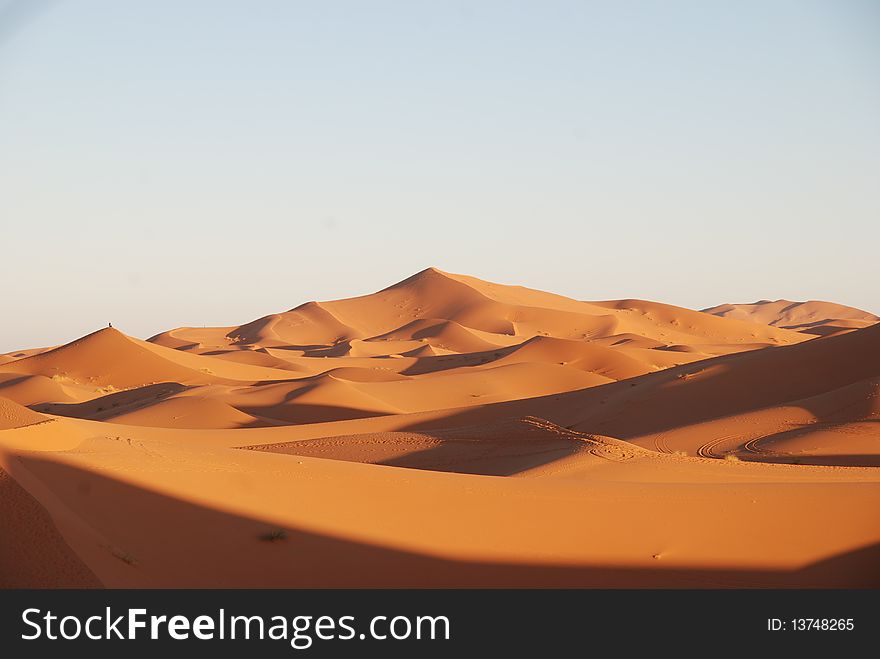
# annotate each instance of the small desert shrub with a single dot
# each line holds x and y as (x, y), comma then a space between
(274, 536)
(731, 458)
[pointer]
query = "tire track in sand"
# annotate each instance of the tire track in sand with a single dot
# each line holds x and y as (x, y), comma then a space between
(707, 450)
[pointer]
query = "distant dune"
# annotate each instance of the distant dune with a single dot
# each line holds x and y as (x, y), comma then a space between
(812, 317)
(447, 431)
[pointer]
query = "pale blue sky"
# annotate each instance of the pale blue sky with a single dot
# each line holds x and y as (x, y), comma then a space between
(167, 163)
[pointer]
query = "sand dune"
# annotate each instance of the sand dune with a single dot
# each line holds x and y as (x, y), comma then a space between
(33, 389)
(812, 317)
(614, 364)
(447, 431)
(189, 412)
(14, 416)
(732, 386)
(434, 304)
(108, 358)
(502, 448)
(431, 324)
(39, 557)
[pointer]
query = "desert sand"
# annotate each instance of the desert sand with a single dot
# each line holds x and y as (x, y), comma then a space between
(812, 317)
(446, 432)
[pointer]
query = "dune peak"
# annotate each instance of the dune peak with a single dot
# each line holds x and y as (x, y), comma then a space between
(646, 414)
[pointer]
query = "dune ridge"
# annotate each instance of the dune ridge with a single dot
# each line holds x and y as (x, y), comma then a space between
(447, 431)
(811, 317)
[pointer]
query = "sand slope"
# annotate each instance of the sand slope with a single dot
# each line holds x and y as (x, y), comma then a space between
(447, 431)
(33, 553)
(417, 345)
(412, 308)
(812, 317)
(831, 379)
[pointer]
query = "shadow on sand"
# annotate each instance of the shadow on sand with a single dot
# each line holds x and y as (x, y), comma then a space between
(167, 542)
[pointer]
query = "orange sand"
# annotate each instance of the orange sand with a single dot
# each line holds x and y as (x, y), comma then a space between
(813, 317)
(451, 432)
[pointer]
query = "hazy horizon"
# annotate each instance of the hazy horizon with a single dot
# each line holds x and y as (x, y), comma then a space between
(236, 322)
(172, 164)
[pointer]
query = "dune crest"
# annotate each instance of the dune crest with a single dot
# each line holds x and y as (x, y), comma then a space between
(811, 317)
(447, 431)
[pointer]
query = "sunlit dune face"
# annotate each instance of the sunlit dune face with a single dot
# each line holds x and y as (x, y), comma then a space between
(450, 431)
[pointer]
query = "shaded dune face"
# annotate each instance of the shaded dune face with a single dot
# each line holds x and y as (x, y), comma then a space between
(430, 342)
(447, 431)
(33, 553)
(501, 448)
(443, 342)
